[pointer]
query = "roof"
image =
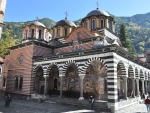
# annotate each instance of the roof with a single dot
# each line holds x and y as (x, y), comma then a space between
(97, 12)
(54, 42)
(37, 23)
(65, 22)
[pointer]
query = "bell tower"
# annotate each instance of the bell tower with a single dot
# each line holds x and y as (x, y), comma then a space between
(2, 12)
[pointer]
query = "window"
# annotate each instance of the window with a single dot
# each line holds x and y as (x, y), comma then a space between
(109, 24)
(65, 31)
(26, 33)
(18, 82)
(40, 34)
(101, 23)
(58, 32)
(4, 82)
(93, 24)
(86, 23)
(20, 59)
(32, 33)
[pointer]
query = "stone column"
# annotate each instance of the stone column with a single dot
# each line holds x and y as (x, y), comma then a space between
(146, 87)
(133, 87)
(45, 86)
(125, 87)
(137, 81)
(61, 86)
(143, 89)
(81, 88)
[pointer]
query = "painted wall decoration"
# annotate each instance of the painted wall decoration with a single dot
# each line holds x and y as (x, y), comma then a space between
(94, 81)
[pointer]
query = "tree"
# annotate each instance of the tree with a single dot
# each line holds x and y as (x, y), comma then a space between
(126, 42)
(6, 42)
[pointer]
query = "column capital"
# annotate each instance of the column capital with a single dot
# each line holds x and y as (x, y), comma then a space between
(45, 76)
(81, 76)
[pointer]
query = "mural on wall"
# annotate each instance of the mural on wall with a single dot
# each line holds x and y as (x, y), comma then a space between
(96, 79)
(39, 77)
(54, 79)
(71, 81)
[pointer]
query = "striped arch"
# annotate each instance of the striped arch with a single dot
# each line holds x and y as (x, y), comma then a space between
(64, 68)
(35, 68)
(141, 75)
(50, 66)
(87, 63)
(122, 66)
(136, 73)
(131, 72)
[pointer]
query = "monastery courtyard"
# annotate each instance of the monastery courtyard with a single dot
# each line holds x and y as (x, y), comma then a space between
(26, 106)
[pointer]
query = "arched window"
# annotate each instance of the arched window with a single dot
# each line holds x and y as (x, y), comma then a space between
(20, 83)
(26, 33)
(58, 32)
(65, 32)
(93, 24)
(86, 23)
(40, 31)
(101, 23)
(16, 83)
(32, 33)
(109, 24)
(4, 82)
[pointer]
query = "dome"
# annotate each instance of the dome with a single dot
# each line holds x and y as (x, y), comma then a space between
(37, 23)
(97, 12)
(65, 22)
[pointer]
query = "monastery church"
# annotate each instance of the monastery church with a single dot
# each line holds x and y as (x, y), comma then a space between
(75, 62)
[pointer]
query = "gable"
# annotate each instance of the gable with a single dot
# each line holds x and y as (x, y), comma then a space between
(80, 33)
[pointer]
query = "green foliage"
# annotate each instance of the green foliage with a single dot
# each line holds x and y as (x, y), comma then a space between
(6, 42)
(124, 39)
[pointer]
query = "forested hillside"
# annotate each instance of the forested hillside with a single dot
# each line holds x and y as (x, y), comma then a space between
(138, 27)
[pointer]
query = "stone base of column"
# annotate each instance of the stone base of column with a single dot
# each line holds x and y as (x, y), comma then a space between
(60, 97)
(126, 98)
(81, 98)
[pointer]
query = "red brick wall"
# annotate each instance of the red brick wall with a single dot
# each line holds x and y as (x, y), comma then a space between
(25, 69)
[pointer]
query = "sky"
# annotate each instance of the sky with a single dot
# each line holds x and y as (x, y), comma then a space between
(27, 10)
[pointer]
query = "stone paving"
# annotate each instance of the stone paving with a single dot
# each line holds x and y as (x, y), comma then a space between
(26, 106)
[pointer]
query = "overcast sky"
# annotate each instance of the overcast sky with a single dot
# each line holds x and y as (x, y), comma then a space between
(26, 10)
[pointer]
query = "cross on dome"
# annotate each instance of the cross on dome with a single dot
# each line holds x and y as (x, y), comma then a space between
(37, 18)
(97, 4)
(66, 15)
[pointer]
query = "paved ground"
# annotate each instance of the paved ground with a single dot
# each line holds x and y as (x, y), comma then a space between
(25, 106)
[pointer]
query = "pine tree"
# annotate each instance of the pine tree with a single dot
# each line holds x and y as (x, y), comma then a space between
(126, 42)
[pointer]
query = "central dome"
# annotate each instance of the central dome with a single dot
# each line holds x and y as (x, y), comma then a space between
(97, 12)
(37, 23)
(65, 22)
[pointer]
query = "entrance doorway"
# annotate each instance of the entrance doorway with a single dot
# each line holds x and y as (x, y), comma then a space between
(55, 84)
(42, 89)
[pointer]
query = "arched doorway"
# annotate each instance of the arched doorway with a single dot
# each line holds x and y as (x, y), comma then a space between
(39, 80)
(129, 81)
(42, 89)
(120, 81)
(95, 81)
(71, 82)
(54, 81)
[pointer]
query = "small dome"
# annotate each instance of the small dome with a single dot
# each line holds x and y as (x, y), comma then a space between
(65, 22)
(37, 23)
(97, 12)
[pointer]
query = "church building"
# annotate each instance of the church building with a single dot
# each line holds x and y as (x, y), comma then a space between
(76, 62)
